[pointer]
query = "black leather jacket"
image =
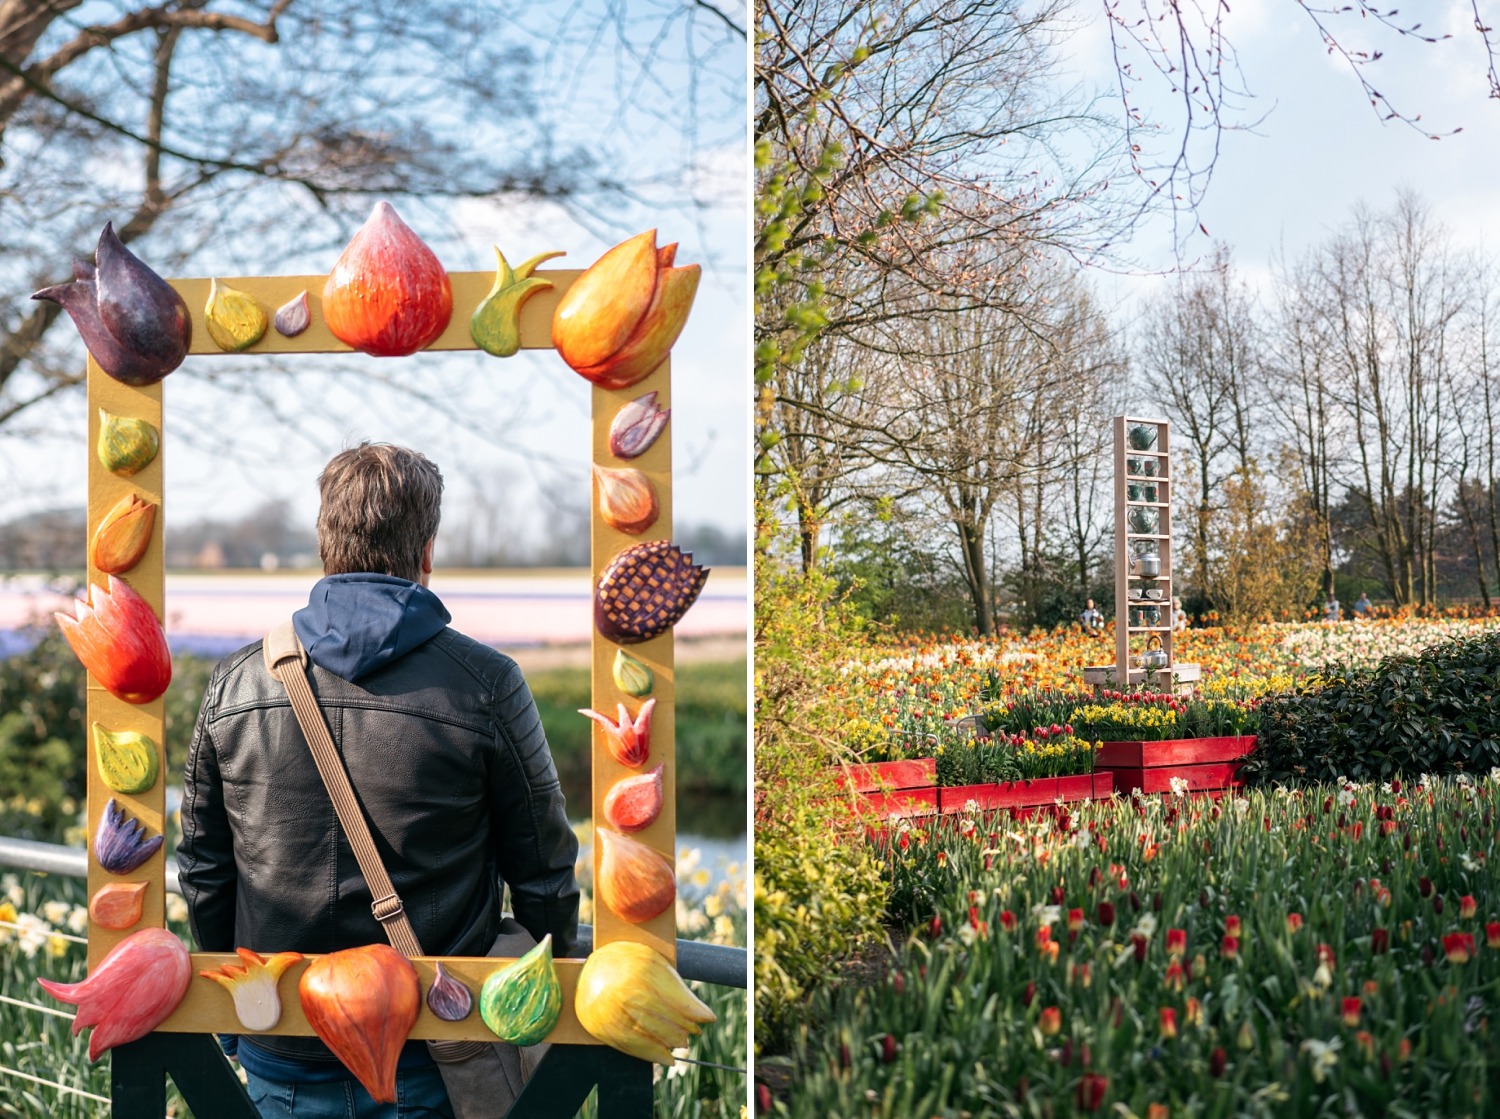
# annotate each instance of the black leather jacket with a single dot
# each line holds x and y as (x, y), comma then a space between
(447, 756)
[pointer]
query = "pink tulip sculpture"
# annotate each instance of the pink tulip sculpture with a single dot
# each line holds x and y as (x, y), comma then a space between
(134, 989)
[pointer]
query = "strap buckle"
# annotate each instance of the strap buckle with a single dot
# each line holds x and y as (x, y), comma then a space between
(387, 908)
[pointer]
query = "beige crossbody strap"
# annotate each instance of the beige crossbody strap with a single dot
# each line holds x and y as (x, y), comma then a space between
(286, 660)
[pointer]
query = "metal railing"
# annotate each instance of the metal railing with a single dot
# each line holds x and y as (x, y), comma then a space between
(721, 964)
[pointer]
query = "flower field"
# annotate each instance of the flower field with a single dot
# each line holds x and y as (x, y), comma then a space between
(1332, 950)
(905, 699)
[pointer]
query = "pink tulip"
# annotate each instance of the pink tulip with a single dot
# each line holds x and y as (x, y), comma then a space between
(134, 989)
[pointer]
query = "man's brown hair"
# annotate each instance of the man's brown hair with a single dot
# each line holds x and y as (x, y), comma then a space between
(380, 506)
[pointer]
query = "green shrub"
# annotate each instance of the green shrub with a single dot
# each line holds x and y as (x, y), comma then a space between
(818, 891)
(1433, 712)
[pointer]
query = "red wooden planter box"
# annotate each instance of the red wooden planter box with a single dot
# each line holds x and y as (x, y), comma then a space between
(1173, 751)
(1019, 794)
(1005, 794)
(915, 773)
(1158, 779)
(903, 802)
(1077, 786)
(1104, 784)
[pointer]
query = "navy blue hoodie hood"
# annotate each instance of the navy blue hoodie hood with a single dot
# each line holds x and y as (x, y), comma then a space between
(353, 624)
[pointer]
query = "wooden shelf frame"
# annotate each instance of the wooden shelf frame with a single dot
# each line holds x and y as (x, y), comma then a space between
(208, 1008)
(1126, 538)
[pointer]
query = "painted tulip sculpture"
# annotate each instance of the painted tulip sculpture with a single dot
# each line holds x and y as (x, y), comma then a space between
(133, 322)
(620, 319)
(252, 985)
(131, 992)
(362, 1003)
(631, 998)
(387, 295)
(636, 881)
(120, 642)
(521, 1002)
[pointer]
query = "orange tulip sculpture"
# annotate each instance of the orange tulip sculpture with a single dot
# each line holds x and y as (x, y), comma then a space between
(120, 642)
(387, 294)
(620, 319)
(132, 991)
(362, 1003)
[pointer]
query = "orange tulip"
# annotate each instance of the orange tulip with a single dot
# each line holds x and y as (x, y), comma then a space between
(387, 294)
(362, 1003)
(123, 535)
(619, 320)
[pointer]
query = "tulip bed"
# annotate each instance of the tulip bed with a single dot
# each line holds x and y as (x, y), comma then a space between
(904, 698)
(1332, 950)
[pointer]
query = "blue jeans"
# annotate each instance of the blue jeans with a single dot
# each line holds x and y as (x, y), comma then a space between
(419, 1095)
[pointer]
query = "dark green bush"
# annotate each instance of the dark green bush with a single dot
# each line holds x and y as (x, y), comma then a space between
(1437, 712)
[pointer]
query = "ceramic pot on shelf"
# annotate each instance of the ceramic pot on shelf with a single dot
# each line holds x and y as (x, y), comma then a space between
(1147, 615)
(1142, 437)
(1154, 658)
(1144, 521)
(1146, 565)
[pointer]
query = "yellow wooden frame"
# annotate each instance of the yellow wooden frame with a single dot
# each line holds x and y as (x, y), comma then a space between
(207, 1007)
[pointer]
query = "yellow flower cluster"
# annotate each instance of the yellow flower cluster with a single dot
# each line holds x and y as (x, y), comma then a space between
(1141, 716)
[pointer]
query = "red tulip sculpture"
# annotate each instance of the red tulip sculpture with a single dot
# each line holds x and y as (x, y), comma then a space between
(120, 642)
(387, 294)
(619, 320)
(132, 991)
(362, 1003)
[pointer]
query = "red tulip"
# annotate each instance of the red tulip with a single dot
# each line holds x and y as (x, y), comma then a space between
(1293, 922)
(1380, 941)
(1216, 1061)
(628, 741)
(1091, 1091)
(1106, 913)
(1351, 1011)
(619, 320)
(1176, 943)
(1050, 1021)
(887, 1049)
(633, 803)
(1467, 906)
(1231, 926)
(120, 642)
(1459, 947)
(132, 991)
(362, 1003)
(1075, 920)
(1168, 1022)
(1492, 934)
(1176, 977)
(387, 294)
(1229, 947)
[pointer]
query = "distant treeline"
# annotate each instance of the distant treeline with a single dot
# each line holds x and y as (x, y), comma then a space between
(272, 536)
